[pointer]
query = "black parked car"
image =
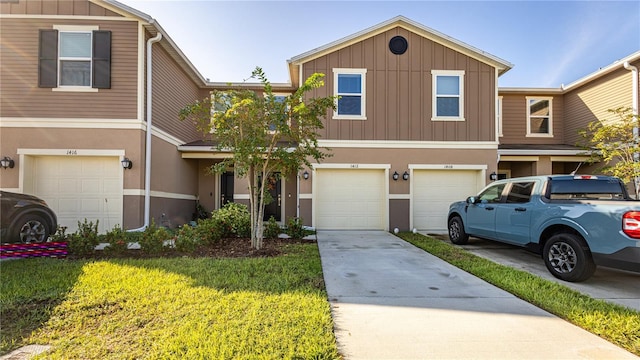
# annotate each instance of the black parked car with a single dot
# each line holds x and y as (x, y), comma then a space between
(25, 219)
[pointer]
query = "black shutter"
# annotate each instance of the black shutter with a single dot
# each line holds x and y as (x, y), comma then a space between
(102, 59)
(48, 59)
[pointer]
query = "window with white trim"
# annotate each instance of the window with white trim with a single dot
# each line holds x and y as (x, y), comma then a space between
(350, 87)
(539, 119)
(279, 99)
(448, 95)
(74, 57)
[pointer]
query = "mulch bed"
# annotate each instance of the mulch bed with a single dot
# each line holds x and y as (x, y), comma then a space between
(227, 248)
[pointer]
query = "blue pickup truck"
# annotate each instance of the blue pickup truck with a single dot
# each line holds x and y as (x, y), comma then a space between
(575, 222)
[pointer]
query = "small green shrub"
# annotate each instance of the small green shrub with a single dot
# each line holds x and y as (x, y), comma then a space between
(153, 238)
(118, 241)
(210, 231)
(84, 241)
(187, 239)
(271, 229)
(295, 228)
(60, 235)
(234, 219)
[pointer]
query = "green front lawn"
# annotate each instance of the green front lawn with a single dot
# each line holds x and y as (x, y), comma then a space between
(170, 308)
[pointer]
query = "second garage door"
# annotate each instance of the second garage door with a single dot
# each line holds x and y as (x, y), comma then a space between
(350, 199)
(435, 190)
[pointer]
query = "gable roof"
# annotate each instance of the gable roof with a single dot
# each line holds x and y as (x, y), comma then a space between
(602, 71)
(399, 21)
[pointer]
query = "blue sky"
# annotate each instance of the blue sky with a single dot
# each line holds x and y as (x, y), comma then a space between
(549, 42)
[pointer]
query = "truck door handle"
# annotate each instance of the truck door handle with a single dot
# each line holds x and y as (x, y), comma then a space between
(520, 209)
(489, 208)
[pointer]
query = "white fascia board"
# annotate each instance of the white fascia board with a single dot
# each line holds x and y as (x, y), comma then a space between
(540, 152)
(385, 144)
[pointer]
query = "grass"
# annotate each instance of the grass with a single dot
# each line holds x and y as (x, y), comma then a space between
(170, 308)
(617, 324)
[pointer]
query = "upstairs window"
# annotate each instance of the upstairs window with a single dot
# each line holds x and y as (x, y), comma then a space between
(350, 86)
(448, 95)
(74, 58)
(539, 119)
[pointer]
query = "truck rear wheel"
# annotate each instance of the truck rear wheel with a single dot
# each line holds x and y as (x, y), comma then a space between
(568, 257)
(457, 235)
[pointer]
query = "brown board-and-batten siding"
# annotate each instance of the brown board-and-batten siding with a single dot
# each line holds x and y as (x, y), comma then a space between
(399, 91)
(54, 7)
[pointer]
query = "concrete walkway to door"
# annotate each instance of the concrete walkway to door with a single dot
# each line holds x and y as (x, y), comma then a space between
(391, 300)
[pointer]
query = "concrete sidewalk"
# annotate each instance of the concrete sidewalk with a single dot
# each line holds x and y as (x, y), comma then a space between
(391, 300)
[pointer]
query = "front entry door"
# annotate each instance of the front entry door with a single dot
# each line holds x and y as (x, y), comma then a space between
(226, 188)
(274, 208)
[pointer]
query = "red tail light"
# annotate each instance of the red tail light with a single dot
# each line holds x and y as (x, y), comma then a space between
(631, 224)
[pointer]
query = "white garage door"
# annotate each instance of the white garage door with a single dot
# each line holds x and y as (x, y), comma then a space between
(350, 199)
(79, 188)
(435, 190)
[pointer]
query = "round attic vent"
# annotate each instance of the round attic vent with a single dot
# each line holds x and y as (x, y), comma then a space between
(398, 45)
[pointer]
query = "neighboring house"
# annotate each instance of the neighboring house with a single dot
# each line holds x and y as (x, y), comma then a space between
(420, 123)
(539, 127)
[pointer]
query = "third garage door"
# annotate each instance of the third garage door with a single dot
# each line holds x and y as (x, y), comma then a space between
(350, 199)
(435, 190)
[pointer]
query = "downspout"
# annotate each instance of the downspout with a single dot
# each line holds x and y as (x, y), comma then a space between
(147, 166)
(634, 110)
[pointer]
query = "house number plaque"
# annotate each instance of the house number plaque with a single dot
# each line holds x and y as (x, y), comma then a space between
(72, 152)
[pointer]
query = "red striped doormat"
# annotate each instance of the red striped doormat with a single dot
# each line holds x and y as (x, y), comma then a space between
(48, 249)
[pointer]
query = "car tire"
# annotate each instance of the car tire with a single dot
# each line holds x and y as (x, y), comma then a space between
(31, 228)
(457, 235)
(568, 257)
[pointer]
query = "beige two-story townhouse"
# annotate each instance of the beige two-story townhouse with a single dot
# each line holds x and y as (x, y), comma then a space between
(421, 122)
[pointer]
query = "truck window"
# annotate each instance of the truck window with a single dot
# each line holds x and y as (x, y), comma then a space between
(587, 190)
(520, 192)
(491, 194)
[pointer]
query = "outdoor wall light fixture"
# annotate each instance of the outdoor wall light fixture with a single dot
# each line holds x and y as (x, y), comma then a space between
(395, 176)
(305, 175)
(7, 162)
(405, 176)
(126, 163)
(493, 176)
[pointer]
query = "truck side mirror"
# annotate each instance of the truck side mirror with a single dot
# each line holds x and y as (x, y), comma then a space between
(471, 200)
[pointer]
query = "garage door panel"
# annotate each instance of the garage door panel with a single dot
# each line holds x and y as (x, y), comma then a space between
(79, 188)
(350, 199)
(435, 190)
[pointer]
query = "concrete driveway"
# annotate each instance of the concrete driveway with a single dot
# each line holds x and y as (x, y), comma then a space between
(391, 300)
(616, 286)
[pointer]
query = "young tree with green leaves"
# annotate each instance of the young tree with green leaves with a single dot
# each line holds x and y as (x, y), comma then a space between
(615, 143)
(264, 134)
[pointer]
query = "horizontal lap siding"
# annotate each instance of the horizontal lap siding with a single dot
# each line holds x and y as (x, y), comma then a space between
(21, 96)
(514, 120)
(173, 89)
(399, 91)
(591, 102)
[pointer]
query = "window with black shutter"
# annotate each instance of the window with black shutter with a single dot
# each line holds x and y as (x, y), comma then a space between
(75, 59)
